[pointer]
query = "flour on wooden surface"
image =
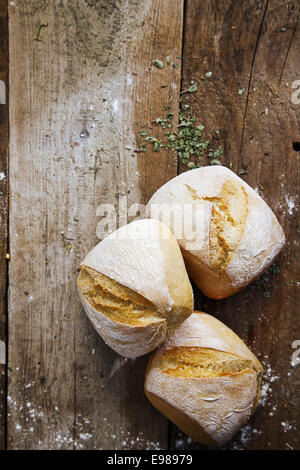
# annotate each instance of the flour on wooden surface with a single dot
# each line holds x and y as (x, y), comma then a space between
(290, 201)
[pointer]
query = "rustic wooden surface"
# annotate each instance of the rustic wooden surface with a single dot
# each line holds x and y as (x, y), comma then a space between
(3, 215)
(79, 97)
(243, 45)
(92, 70)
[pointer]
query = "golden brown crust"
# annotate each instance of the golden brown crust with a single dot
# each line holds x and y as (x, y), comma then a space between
(213, 285)
(227, 225)
(200, 362)
(114, 300)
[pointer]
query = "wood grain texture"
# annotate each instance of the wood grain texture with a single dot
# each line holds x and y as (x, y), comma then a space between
(74, 101)
(255, 46)
(78, 99)
(157, 91)
(3, 214)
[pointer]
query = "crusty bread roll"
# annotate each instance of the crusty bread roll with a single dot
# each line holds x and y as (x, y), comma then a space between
(227, 233)
(204, 379)
(134, 287)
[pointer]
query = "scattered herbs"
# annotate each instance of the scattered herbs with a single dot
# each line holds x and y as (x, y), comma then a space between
(242, 172)
(185, 138)
(215, 161)
(274, 269)
(143, 133)
(37, 34)
(241, 91)
(159, 64)
(192, 89)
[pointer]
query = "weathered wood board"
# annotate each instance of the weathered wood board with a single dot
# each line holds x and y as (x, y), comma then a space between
(252, 49)
(80, 93)
(76, 95)
(3, 212)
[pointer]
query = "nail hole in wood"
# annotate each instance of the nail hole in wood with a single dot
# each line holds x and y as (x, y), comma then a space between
(296, 146)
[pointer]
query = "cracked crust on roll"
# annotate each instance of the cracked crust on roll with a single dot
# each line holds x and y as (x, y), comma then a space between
(230, 237)
(134, 287)
(205, 380)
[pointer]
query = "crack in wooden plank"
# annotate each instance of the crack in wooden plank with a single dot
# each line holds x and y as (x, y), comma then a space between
(184, 6)
(289, 48)
(250, 76)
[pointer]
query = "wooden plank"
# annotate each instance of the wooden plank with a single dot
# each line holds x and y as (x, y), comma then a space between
(155, 97)
(3, 211)
(254, 47)
(74, 101)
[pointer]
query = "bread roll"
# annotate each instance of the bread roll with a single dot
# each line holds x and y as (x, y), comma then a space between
(204, 379)
(227, 233)
(134, 287)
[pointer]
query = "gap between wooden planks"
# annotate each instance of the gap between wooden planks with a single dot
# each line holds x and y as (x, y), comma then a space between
(82, 74)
